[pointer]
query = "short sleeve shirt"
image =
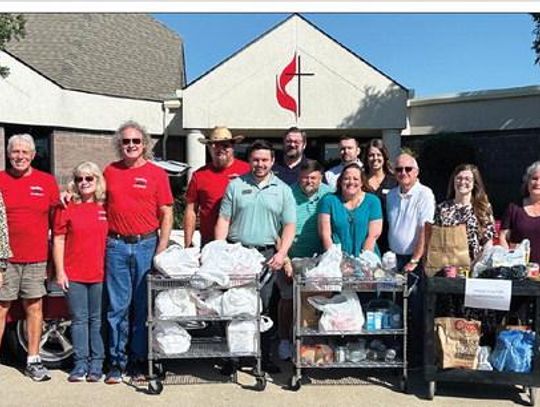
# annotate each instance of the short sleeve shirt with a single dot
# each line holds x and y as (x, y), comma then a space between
(288, 175)
(206, 189)
(134, 197)
(350, 227)
(306, 240)
(257, 212)
(523, 226)
(85, 227)
(406, 213)
(29, 200)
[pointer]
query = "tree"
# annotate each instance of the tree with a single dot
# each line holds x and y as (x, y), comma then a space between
(536, 41)
(11, 27)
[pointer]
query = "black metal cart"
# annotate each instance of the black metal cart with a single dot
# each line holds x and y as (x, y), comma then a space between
(437, 286)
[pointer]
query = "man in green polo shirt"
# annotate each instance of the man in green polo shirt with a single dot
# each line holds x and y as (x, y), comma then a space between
(307, 193)
(259, 211)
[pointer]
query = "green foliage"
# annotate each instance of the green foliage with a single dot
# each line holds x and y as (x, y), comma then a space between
(11, 27)
(536, 33)
(178, 207)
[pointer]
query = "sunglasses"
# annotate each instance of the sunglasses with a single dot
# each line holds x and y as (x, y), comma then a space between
(88, 178)
(404, 169)
(221, 144)
(128, 141)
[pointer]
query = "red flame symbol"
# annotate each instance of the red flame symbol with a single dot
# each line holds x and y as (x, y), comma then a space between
(285, 100)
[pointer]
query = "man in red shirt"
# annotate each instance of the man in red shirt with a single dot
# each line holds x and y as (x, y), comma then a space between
(208, 184)
(30, 197)
(139, 210)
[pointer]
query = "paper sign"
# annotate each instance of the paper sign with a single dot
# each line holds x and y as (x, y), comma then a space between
(488, 294)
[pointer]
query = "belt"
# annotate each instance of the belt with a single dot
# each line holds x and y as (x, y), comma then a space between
(259, 248)
(132, 238)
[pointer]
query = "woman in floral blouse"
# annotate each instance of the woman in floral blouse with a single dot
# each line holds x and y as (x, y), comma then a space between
(467, 203)
(5, 252)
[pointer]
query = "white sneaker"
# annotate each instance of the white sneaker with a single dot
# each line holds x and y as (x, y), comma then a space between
(285, 349)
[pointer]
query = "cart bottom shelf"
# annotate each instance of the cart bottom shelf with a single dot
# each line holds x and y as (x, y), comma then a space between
(205, 348)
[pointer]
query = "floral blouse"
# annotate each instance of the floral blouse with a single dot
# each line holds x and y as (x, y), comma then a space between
(5, 252)
(449, 213)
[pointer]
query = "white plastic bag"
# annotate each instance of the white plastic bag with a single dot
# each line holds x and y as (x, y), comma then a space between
(173, 303)
(498, 256)
(242, 336)
(175, 261)
(326, 276)
(170, 338)
(241, 301)
(342, 312)
(208, 302)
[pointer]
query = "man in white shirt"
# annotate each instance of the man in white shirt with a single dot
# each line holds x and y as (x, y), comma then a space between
(409, 207)
(349, 151)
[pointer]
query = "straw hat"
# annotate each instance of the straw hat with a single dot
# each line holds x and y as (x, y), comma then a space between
(221, 134)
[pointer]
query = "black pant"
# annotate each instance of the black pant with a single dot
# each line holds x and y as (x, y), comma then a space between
(267, 291)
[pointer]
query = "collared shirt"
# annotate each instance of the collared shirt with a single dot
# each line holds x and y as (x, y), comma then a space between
(257, 212)
(333, 174)
(289, 175)
(406, 213)
(306, 241)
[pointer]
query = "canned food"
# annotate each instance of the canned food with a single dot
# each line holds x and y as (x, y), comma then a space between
(533, 270)
(450, 271)
(340, 354)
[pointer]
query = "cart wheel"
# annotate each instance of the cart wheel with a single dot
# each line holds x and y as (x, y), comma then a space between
(294, 383)
(432, 387)
(532, 395)
(155, 387)
(260, 385)
(403, 385)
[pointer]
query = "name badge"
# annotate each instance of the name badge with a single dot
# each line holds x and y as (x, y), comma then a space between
(247, 191)
(385, 191)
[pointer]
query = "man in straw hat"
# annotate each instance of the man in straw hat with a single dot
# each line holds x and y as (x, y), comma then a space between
(208, 184)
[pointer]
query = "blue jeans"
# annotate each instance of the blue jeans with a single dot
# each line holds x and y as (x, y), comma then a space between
(127, 267)
(84, 301)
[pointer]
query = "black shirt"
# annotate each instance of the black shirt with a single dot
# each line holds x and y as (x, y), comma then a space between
(287, 174)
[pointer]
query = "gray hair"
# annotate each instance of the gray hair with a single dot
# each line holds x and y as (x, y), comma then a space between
(146, 139)
(410, 157)
(24, 138)
(529, 172)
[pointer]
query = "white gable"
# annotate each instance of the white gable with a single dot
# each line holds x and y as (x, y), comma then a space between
(340, 90)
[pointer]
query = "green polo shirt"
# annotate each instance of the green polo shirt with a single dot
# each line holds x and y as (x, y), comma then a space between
(257, 213)
(306, 241)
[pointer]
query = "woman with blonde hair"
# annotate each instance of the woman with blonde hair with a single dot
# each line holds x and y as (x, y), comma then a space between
(467, 203)
(80, 232)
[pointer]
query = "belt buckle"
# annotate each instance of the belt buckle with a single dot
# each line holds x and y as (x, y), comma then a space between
(133, 239)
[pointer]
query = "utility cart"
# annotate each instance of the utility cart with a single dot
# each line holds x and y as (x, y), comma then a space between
(396, 337)
(201, 347)
(434, 289)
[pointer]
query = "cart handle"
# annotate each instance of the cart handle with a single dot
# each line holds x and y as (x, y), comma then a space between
(416, 279)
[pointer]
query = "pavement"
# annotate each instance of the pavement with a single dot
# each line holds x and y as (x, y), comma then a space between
(198, 384)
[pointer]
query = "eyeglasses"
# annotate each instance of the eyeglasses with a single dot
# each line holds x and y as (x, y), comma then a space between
(404, 169)
(88, 178)
(221, 144)
(127, 141)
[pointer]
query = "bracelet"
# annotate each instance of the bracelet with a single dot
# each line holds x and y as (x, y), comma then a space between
(414, 261)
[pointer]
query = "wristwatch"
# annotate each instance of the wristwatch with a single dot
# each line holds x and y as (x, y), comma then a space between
(414, 261)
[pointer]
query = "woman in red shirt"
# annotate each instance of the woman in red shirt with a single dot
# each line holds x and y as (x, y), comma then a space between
(80, 232)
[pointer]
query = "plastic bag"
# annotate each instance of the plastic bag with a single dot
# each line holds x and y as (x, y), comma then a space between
(208, 302)
(513, 351)
(326, 276)
(170, 338)
(498, 256)
(342, 312)
(241, 301)
(173, 303)
(242, 336)
(483, 358)
(175, 261)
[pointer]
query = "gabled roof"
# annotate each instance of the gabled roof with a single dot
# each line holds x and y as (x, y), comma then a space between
(125, 55)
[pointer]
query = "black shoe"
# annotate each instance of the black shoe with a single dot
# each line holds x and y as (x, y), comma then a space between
(228, 368)
(270, 367)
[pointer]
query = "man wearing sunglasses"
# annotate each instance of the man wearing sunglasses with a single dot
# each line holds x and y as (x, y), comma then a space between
(409, 206)
(139, 210)
(208, 184)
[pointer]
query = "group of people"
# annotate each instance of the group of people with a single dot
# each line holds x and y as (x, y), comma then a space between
(106, 231)
(108, 227)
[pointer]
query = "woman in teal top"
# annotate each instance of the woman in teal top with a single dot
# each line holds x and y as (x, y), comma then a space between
(351, 216)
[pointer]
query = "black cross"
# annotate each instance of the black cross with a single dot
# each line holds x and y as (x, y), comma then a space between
(299, 75)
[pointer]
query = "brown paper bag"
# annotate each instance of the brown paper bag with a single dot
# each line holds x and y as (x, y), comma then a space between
(458, 341)
(447, 246)
(310, 316)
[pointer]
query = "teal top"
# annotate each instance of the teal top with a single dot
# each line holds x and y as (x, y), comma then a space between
(350, 226)
(306, 241)
(257, 212)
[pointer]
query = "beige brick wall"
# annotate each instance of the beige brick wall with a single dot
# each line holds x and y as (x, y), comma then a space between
(69, 148)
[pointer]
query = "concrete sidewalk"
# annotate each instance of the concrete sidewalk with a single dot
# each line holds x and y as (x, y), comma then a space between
(18, 390)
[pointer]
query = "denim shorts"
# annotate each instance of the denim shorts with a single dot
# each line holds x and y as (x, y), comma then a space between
(23, 280)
